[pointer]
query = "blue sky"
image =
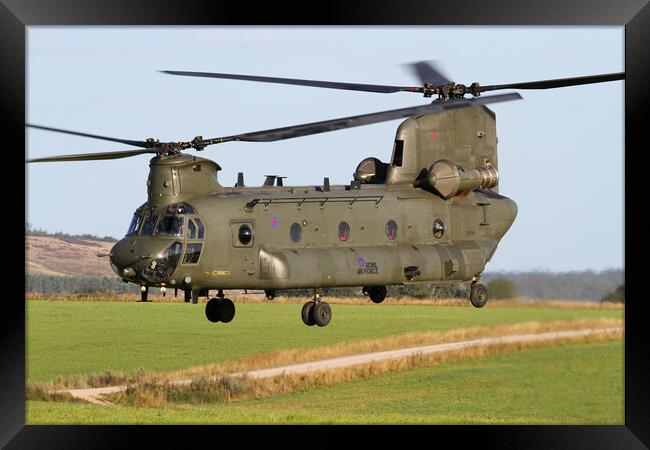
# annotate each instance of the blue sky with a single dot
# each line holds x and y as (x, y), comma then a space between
(560, 151)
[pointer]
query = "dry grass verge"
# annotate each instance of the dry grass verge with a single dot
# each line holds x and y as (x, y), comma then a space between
(232, 388)
(302, 355)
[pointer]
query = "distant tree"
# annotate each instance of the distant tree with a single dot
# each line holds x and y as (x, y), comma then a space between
(616, 295)
(501, 288)
(457, 290)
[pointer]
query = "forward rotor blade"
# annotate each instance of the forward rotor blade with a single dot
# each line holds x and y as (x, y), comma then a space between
(314, 83)
(277, 134)
(92, 156)
(95, 136)
(429, 72)
(557, 83)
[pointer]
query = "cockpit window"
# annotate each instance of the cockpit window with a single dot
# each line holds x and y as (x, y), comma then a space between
(148, 225)
(192, 253)
(201, 229)
(180, 208)
(135, 224)
(170, 226)
(191, 230)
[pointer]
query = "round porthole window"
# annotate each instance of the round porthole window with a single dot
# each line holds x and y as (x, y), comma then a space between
(391, 229)
(438, 228)
(344, 231)
(295, 232)
(245, 234)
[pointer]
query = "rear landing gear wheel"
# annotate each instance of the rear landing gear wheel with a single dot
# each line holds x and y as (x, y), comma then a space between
(376, 293)
(306, 314)
(321, 313)
(478, 295)
(270, 293)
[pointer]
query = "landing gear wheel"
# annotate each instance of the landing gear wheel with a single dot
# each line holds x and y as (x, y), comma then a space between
(270, 293)
(478, 295)
(187, 296)
(321, 313)
(212, 310)
(376, 293)
(306, 314)
(226, 310)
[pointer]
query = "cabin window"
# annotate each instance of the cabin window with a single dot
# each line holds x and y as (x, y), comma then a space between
(170, 226)
(295, 232)
(344, 231)
(391, 229)
(398, 153)
(245, 234)
(438, 228)
(148, 225)
(192, 253)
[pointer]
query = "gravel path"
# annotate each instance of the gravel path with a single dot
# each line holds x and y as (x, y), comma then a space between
(93, 395)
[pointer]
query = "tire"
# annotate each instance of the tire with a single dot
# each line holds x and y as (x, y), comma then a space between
(377, 293)
(226, 310)
(478, 295)
(270, 293)
(212, 310)
(306, 314)
(322, 314)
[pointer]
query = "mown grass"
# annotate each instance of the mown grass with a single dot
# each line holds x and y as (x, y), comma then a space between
(79, 338)
(569, 384)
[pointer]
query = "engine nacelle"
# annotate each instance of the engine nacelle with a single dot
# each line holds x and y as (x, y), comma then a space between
(371, 170)
(449, 179)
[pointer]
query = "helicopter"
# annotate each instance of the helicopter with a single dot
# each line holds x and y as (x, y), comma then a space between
(432, 214)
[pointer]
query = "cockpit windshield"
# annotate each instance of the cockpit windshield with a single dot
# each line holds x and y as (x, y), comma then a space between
(135, 224)
(170, 226)
(148, 225)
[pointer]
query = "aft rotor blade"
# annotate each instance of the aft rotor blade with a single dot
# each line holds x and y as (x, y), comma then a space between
(277, 134)
(556, 83)
(95, 136)
(314, 83)
(92, 156)
(428, 72)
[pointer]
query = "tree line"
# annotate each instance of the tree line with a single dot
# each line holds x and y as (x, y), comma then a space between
(605, 285)
(31, 231)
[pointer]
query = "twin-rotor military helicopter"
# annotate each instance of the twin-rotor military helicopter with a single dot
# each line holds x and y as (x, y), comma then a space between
(432, 214)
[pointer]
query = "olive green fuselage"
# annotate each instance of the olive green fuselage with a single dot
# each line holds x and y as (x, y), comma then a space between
(370, 252)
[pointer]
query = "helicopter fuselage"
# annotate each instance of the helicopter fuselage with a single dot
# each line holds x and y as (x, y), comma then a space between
(303, 237)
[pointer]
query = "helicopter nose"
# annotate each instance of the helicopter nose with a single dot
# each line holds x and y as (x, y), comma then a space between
(131, 254)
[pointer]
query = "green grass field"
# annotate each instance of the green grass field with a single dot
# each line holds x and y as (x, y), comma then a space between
(570, 384)
(67, 338)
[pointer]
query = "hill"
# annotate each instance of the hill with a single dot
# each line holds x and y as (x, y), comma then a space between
(66, 256)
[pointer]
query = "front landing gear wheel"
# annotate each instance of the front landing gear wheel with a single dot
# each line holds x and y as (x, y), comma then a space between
(212, 310)
(321, 313)
(478, 295)
(220, 310)
(270, 293)
(306, 314)
(226, 310)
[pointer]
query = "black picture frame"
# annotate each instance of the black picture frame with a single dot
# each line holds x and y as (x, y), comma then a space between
(16, 15)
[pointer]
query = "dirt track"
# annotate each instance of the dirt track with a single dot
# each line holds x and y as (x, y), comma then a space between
(93, 395)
